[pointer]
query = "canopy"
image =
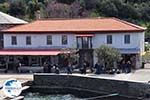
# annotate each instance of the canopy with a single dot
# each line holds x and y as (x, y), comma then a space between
(84, 35)
(29, 52)
(129, 50)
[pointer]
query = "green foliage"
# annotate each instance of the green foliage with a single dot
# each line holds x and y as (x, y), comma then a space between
(2, 1)
(146, 57)
(147, 33)
(17, 8)
(32, 8)
(109, 9)
(66, 1)
(4, 7)
(107, 55)
(70, 54)
(94, 14)
(147, 47)
(130, 10)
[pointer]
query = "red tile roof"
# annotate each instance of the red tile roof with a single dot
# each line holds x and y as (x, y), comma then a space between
(77, 25)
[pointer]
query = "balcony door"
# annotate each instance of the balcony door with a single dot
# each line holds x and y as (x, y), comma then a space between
(84, 42)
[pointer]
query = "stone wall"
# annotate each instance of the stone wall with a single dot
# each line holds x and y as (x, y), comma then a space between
(124, 88)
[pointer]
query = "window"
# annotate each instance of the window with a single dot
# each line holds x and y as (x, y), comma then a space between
(49, 40)
(64, 39)
(109, 39)
(127, 39)
(14, 40)
(28, 40)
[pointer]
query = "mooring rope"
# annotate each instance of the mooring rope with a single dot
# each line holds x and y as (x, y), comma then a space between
(103, 96)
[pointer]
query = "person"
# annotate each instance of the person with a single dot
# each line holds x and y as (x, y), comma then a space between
(98, 68)
(128, 66)
(53, 69)
(69, 69)
(84, 67)
(16, 66)
(19, 66)
(45, 67)
(57, 70)
(81, 70)
(123, 67)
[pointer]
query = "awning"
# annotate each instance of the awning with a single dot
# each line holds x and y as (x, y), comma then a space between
(30, 52)
(84, 35)
(129, 50)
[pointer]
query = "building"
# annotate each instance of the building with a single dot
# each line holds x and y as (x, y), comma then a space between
(7, 21)
(42, 40)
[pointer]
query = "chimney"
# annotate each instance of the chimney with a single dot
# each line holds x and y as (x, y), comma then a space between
(38, 15)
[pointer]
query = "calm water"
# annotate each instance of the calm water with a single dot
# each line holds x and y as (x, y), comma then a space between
(37, 96)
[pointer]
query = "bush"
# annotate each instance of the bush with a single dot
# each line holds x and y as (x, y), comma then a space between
(107, 56)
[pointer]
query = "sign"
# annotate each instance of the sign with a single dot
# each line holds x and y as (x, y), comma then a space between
(12, 88)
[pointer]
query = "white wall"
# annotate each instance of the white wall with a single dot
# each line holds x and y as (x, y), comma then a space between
(38, 41)
(118, 40)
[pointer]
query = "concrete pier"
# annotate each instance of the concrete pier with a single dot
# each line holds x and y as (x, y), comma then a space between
(124, 88)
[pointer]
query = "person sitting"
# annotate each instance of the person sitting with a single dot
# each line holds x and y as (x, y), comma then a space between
(57, 70)
(53, 69)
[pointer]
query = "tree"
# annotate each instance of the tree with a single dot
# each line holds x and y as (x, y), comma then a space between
(109, 9)
(17, 8)
(147, 33)
(58, 10)
(2, 1)
(107, 55)
(4, 7)
(70, 55)
(66, 1)
(33, 7)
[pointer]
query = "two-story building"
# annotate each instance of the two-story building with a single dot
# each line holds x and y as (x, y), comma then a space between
(43, 40)
(6, 22)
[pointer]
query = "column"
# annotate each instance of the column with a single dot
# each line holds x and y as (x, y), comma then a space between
(7, 60)
(138, 61)
(29, 57)
(40, 58)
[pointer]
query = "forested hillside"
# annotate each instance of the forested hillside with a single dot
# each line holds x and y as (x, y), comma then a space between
(136, 11)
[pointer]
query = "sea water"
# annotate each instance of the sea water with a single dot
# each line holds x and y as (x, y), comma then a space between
(37, 96)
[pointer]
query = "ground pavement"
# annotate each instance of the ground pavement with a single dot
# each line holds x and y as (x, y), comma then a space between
(140, 75)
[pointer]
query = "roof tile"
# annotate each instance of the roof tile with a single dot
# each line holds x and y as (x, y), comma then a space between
(77, 25)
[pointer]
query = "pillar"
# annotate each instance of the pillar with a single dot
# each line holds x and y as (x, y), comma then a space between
(29, 57)
(7, 60)
(138, 61)
(40, 58)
